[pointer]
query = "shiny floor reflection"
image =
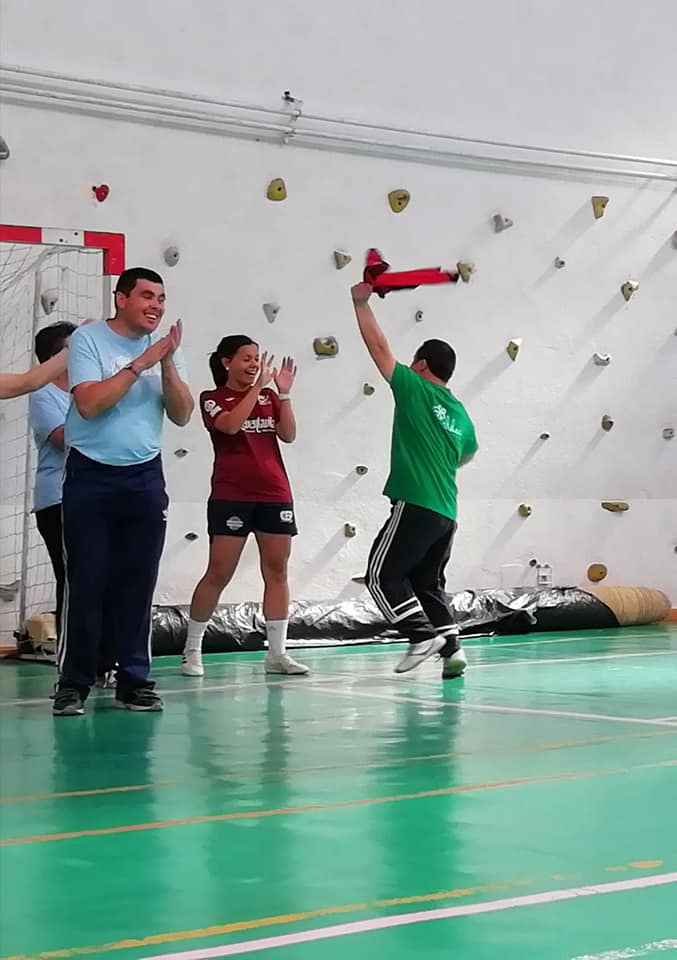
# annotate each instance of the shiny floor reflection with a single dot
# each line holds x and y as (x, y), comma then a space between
(254, 809)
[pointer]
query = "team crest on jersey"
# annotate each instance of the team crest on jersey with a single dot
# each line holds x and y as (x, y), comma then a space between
(211, 407)
(263, 399)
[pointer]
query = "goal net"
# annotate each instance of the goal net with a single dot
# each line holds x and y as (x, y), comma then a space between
(40, 284)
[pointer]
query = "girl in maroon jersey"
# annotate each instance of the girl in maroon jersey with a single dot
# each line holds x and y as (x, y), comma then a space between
(250, 491)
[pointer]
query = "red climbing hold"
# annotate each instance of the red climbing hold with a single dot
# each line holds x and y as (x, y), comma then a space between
(101, 192)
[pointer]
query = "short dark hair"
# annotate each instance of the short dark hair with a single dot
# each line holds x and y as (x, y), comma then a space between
(440, 357)
(127, 279)
(227, 349)
(51, 340)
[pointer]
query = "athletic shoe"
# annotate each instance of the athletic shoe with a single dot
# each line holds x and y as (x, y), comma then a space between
(455, 665)
(141, 700)
(68, 703)
(191, 665)
(285, 664)
(418, 652)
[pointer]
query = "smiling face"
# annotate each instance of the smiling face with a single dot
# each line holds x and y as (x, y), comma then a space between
(243, 367)
(143, 308)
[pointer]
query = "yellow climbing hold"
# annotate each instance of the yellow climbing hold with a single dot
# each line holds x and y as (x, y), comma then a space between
(599, 206)
(325, 346)
(465, 270)
(398, 200)
(277, 189)
(597, 572)
(513, 348)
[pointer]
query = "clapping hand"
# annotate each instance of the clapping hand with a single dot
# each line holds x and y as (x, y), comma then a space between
(284, 380)
(267, 371)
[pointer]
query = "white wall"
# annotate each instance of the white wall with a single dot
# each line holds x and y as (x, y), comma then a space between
(541, 73)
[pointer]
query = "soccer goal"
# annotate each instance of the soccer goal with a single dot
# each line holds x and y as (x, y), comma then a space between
(46, 275)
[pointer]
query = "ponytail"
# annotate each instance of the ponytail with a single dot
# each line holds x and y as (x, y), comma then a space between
(226, 350)
(219, 372)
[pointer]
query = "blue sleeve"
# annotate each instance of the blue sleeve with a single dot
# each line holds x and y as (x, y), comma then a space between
(45, 415)
(84, 363)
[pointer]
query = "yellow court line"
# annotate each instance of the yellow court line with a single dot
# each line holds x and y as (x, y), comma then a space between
(337, 805)
(328, 768)
(259, 923)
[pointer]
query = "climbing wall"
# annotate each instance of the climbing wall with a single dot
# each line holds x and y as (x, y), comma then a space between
(563, 316)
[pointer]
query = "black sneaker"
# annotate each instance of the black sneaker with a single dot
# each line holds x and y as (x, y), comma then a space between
(142, 700)
(68, 703)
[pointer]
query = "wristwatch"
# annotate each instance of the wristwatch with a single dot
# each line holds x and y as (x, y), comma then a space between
(130, 367)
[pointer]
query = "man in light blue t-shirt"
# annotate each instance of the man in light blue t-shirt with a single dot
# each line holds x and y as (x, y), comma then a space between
(47, 409)
(123, 379)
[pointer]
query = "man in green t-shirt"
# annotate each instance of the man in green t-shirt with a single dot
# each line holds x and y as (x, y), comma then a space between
(432, 437)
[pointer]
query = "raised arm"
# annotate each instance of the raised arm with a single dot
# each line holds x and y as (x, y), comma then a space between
(374, 338)
(284, 381)
(178, 400)
(18, 384)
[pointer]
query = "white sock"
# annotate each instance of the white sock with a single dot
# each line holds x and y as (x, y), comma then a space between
(276, 634)
(196, 631)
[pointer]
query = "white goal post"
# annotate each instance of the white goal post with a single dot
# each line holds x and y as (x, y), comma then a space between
(46, 275)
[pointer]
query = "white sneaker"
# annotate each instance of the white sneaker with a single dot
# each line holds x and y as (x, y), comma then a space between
(192, 663)
(285, 664)
(418, 652)
(455, 665)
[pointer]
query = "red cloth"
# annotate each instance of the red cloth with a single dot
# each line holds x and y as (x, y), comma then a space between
(247, 465)
(377, 274)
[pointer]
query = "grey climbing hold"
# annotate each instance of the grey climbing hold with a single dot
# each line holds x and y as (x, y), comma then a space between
(171, 256)
(49, 299)
(271, 311)
(341, 259)
(501, 222)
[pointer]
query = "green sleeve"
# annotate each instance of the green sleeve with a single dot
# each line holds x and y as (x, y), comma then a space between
(402, 381)
(471, 446)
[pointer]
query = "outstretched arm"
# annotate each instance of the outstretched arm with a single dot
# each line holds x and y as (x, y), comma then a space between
(374, 338)
(19, 384)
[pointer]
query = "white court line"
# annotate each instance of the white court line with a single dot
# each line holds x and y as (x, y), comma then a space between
(602, 656)
(375, 650)
(473, 667)
(396, 644)
(419, 916)
(200, 688)
(629, 953)
(495, 708)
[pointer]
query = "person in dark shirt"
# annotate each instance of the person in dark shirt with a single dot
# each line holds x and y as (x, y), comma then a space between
(250, 492)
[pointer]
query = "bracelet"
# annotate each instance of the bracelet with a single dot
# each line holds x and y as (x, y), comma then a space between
(131, 369)
(283, 396)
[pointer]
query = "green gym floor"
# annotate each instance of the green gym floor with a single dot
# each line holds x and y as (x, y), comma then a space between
(526, 812)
